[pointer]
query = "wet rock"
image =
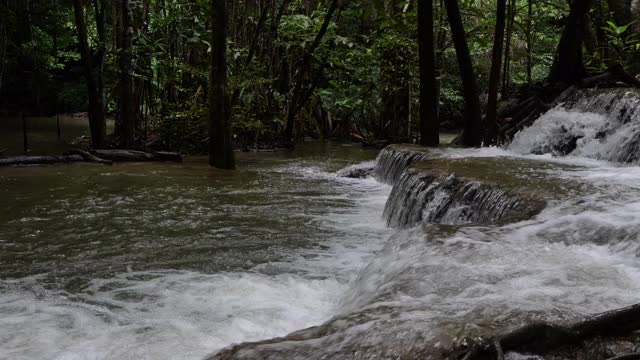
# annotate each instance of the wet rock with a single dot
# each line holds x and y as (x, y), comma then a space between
(394, 159)
(357, 172)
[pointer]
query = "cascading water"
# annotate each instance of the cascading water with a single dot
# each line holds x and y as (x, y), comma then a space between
(599, 125)
(393, 160)
(485, 239)
(470, 269)
(447, 199)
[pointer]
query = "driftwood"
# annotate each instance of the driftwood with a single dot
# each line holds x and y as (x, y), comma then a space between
(106, 157)
(88, 157)
(541, 338)
(136, 156)
(40, 160)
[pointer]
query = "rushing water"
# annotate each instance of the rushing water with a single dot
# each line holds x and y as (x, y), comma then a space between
(166, 261)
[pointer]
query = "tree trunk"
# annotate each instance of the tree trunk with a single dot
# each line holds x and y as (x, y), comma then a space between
(100, 16)
(621, 10)
(296, 104)
(127, 113)
(220, 140)
(529, 37)
(471, 135)
(568, 66)
(3, 42)
(97, 119)
(491, 126)
(507, 50)
(429, 122)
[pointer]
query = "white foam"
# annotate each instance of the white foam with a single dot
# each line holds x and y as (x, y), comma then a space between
(160, 315)
(188, 315)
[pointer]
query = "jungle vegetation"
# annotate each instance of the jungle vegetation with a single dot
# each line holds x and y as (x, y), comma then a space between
(205, 76)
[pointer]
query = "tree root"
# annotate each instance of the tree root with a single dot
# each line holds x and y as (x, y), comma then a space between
(541, 338)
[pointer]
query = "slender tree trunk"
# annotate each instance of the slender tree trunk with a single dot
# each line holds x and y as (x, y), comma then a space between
(568, 66)
(296, 104)
(429, 122)
(471, 135)
(491, 126)
(97, 120)
(100, 16)
(127, 113)
(511, 16)
(220, 138)
(252, 49)
(3, 44)
(25, 139)
(529, 38)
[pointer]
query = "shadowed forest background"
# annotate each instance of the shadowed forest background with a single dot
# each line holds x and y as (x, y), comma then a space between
(492, 213)
(296, 69)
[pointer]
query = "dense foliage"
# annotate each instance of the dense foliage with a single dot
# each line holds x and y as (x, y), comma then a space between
(360, 82)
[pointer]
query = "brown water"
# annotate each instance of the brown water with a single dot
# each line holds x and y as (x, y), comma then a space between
(177, 260)
(42, 134)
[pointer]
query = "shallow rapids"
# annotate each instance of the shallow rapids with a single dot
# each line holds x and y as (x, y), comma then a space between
(180, 262)
(162, 261)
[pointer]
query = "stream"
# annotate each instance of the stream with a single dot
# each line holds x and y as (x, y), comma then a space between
(177, 261)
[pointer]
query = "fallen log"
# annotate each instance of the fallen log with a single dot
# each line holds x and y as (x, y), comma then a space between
(88, 156)
(118, 155)
(40, 160)
(106, 157)
(541, 338)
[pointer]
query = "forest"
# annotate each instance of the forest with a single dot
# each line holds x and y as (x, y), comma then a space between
(320, 179)
(297, 69)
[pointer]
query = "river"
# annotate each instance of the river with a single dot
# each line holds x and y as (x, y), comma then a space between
(178, 261)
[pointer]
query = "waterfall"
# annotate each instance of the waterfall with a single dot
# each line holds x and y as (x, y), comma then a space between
(433, 285)
(452, 200)
(394, 159)
(603, 125)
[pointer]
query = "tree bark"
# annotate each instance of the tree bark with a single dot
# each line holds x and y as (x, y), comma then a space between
(97, 121)
(127, 113)
(511, 16)
(220, 139)
(491, 126)
(471, 135)
(568, 66)
(429, 122)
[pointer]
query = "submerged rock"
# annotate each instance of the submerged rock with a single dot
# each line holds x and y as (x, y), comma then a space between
(358, 171)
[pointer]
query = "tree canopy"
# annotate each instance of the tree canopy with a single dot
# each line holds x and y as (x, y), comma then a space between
(295, 68)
